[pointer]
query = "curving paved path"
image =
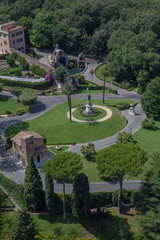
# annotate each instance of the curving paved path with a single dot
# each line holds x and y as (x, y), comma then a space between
(16, 171)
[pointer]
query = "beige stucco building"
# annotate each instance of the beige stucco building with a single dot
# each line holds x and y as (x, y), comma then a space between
(28, 143)
(11, 36)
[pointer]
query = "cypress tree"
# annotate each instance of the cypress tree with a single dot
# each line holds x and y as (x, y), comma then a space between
(80, 196)
(23, 227)
(33, 193)
(49, 191)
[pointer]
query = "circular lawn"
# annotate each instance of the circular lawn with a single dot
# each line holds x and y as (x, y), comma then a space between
(55, 126)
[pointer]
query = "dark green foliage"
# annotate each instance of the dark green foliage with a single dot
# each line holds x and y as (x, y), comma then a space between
(18, 73)
(10, 61)
(147, 201)
(15, 190)
(20, 111)
(120, 159)
(100, 199)
(88, 152)
(39, 85)
(96, 87)
(124, 137)
(12, 130)
(147, 123)
(63, 167)
(33, 193)
(37, 70)
(60, 74)
(3, 56)
(23, 63)
(28, 97)
(151, 100)
(1, 86)
(49, 197)
(79, 78)
(80, 198)
(126, 196)
(17, 92)
(16, 128)
(23, 227)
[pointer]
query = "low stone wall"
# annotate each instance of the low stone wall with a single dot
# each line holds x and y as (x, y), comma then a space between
(32, 61)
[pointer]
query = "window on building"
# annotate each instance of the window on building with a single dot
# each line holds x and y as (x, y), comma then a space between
(6, 51)
(22, 48)
(5, 42)
(21, 39)
(38, 158)
(13, 35)
(20, 33)
(17, 40)
(13, 41)
(0, 34)
(4, 35)
(19, 49)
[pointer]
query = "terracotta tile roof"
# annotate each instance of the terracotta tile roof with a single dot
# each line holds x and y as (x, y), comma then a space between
(12, 29)
(25, 134)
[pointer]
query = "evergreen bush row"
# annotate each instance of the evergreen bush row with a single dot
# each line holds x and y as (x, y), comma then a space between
(38, 85)
(98, 199)
(96, 87)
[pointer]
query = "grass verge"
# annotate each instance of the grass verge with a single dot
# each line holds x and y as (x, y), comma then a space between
(54, 125)
(10, 105)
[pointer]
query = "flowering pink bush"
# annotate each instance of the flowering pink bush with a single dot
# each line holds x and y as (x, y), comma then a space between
(49, 75)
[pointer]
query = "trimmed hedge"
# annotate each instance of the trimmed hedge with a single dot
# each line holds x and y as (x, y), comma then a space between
(101, 199)
(97, 87)
(38, 85)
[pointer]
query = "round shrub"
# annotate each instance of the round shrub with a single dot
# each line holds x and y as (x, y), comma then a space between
(20, 111)
(148, 123)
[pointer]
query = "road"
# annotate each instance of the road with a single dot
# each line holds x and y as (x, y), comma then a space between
(16, 171)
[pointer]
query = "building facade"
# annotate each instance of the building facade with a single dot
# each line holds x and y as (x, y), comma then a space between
(28, 143)
(11, 36)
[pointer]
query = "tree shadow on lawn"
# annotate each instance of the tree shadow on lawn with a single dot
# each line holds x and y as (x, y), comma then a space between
(108, 226)
(92, 124)
(153, 129)
(4, 98)
(102, 225)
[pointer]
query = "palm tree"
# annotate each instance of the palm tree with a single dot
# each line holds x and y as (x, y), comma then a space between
(91, 72)
(104, 75)
(68, 90)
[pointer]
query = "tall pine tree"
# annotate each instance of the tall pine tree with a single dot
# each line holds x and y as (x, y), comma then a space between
(80, 196)
(23, 227)
(49, 191)
(33, 193)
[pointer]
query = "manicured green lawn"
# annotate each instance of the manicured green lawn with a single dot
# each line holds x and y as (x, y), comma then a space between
(98, 73)
(55, 126)
(63, 148)
(112, 227)
(149, 140)
(7, 104)
(89, 168)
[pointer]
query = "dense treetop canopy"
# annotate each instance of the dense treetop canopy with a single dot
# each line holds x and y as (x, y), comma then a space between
(129, 31)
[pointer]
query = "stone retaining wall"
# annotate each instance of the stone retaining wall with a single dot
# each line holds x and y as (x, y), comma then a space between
(32, 61)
